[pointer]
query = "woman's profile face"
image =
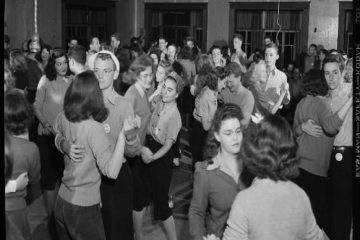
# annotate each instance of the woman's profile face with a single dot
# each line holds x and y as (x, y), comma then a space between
(145, 78)
(155, 58)
(230, 136)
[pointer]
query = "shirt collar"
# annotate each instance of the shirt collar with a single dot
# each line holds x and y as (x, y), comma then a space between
(273, 72)
(140, 90)
(112, 96)
(345, 88)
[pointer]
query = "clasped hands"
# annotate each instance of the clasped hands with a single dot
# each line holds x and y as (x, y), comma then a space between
(76, 151)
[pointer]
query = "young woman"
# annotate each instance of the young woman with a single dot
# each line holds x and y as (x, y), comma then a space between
(239, 55)
(162, 72)
(221, 176)
(205, 107)
(19, 67)
(273, 207)
(155, 56)
(315, 152)
(94, 44)
(43, 57)
(26, 163)
(48, 104)
(162, 132)
(171, 53)
(77, 210)
(256, 78)
(140, 76)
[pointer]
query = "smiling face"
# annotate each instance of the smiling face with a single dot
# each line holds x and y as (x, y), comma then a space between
(61, 66)
(216, 55)
(160, 74)
(233, 82)
(230, 136)
(171, 52)
(95, 44)
(145, 78)
(104, 71)
(271, 55)
(162, 44)
(237, 43)
(333, 75)
(45, 55)
(169, 94)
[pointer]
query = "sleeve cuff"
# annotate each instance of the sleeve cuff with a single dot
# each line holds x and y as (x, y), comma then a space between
(58, 139)
(10, 186)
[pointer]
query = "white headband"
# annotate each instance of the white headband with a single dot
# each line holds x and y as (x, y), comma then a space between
(116, 61)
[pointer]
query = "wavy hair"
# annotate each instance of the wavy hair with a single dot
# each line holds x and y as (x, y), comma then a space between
(18, 113)
(18, 61)
(272, 154)
(202, 60)
(207, 77)
(224, 112)
(314, 83)
(50, 70)
(84, 99)
(9, 79)
(139, 65)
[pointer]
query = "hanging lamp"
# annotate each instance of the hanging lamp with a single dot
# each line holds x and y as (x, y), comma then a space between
(35, 38)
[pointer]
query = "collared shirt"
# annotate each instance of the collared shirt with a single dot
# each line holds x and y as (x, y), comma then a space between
(219, 163)
(273, 85)
(49, 99)
(205, 104)
(344, 136)
(164, 123)
(140, 89)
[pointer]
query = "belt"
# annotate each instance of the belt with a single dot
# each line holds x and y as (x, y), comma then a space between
(341, 148)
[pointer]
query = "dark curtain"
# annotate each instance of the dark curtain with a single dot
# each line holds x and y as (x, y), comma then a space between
(289, 20)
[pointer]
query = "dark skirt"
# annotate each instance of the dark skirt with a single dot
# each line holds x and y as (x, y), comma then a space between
(197, 142)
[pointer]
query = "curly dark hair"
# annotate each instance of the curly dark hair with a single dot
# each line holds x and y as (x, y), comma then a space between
(314, 83)
(207, 77)
(18, 112)
(50, 70)
(84, 99)
(38, 55)
(224, 112)
(272, 154)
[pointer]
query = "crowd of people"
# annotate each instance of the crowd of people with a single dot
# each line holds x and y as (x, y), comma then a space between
(99, 126)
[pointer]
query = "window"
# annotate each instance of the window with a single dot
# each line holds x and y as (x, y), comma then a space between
(176, 21)
(254, 20)
(255, 25)
(85, 19)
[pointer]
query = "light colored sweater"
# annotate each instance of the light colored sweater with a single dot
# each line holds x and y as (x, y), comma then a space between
(273, 211)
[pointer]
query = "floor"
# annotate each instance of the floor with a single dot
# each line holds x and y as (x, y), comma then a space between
(181, 190)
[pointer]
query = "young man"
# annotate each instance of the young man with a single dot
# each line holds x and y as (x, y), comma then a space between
(77, 59)
(115, 42)
(236, 93)
(163, 47)
(276, 78)
(310, 58)
(340, 170)
(116, 194)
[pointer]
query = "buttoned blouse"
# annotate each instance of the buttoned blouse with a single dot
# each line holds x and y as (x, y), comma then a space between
(164, 123)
